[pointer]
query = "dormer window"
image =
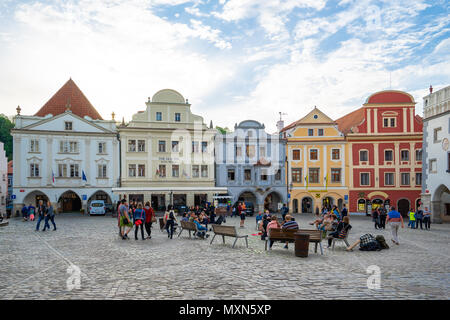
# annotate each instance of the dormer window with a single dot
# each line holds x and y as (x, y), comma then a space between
(389, 119)
(68, 125)
(159, 116)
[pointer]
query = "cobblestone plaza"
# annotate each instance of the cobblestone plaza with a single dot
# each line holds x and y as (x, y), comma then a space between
(34, 265)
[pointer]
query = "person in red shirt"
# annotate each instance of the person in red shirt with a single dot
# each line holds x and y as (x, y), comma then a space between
(149, 214)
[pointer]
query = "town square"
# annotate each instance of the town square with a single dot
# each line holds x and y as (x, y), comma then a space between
(224, 150)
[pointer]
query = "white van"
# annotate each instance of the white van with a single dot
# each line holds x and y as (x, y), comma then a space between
(97, 207)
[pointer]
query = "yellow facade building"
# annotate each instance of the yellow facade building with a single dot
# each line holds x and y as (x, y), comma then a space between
(317, 169)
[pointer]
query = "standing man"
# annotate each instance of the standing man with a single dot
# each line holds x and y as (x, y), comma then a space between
(382, 218)
(395, 219)
(284, 211)
(419, 218)
(125, 220)
(149, 214)
(42, 212)
(427, 218)
(344, 211)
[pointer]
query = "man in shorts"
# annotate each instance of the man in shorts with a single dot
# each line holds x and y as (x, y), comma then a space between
(125, 220)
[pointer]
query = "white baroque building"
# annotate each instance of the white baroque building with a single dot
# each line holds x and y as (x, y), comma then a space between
(436, 153)
(3, 180)
(65, 153)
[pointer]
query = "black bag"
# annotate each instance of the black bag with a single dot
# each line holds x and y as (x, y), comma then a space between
(371, 246)
(171, 216)
(382, 242)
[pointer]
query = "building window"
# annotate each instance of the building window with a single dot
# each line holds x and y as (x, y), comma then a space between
(141, 170)
(296, 154)
(102, 170)
(195, 146)
(231, 176)
(296, 174)
(238, 151)
(204, 171)
(310, 132)
(195, 171)
(162, 170)
(436, 135)
(335, 154)
(68, 147)
(313, 175)
(365, 179)
(62, 170)
(278, 175)
(141, 145)
(405, 178)
(264, 176)
(177, 117)
(262, 151)
(388, 155)
(418, 178)
(247, 174)
(204, 146)
(132, 170)
(175, 146)
(102, 147)
(74, 171)
(335, 175)
(159, 116)
(320, 132)
(313, 154)
(34, 145)
(161, 146)
(131, 145)
(389, 122)
(419, 155)
(175, 170)
(404, 155)
(67, 125)
(363, 155)
(389, 178)
(433, 166)
(250, 151)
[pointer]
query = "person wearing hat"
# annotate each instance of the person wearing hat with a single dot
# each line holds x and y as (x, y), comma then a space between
(139, 218)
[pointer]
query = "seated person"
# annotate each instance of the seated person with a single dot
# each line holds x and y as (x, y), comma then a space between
(201, 229)
(263, 227)
(289, 223)
(318, 220)
(272, 224)
(258, 218)
(185, 217)
(341, 230)
(335, 211)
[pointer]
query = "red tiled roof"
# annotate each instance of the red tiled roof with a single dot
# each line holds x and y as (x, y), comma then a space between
(352, 119)
(390, 97)
(69, 93)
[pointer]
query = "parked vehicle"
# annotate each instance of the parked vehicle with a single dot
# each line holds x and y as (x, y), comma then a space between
(97, 207)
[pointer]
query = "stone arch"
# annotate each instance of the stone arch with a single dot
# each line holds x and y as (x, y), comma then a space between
(69, 201)
(403, 206)
(34, 196)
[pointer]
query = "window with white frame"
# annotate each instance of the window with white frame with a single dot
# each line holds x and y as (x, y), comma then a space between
(418, 178)
(159, 116)
(418, 154)
(68, 147)
(204, 171)
(363, 155)
(432, 165)
(162, 170)
(388, 155)
(389, 122)
(68, 125)
(405, 178)
(296, 154)
(34, 145)
(364, 178)
(175, 146)
(335, 175)
(195, 171)
(335, 154)
(62, 170)
(102, 147)
(132, 170)
(313, 154)
(141, 170)
(404, 155)
(34, 170)
(175, 170)
(161, 146)
(177, 117)
(389, 178)
(74, 171)
(101, 171)
(141, 145)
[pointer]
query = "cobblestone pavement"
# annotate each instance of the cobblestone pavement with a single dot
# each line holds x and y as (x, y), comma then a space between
(34, 265)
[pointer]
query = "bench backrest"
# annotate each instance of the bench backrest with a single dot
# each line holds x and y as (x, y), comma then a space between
(283, 234)
(188, 225)
(224, 230)
(313, 234)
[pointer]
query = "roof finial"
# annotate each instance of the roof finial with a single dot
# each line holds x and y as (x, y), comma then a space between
(431, 89)
(187, 101)
(18, 109)
(113, 115)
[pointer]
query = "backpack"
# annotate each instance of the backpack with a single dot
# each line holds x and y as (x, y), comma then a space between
(371, 246)
(382, 242)
(171, 216)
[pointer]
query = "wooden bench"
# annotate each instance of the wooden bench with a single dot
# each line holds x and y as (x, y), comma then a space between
(227, 231)
(315, 236)
(189, 226)
(282, 235)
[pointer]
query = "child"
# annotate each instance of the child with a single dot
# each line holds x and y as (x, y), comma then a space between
(31, 212)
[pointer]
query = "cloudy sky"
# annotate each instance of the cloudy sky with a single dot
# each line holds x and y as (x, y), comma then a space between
(233, 59)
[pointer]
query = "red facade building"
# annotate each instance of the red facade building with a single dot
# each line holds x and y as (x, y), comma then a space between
(385, 152)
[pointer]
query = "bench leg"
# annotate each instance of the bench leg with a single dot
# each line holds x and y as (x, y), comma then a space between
(321, 250)
(246, 242)
(234, 242)
(315, 247)
(346, 242)
(212, 239)
(180, 232)
(333, 243)
(223, 238)
(265, 248)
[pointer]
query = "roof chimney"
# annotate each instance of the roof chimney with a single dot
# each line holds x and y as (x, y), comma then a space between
(431, 89)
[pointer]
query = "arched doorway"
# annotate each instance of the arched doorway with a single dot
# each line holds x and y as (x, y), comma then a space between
(33, 198)
(271, 202)
(101, 195)
(69, 201)
(440, 205)
(295, 206)
(307, 205)
(403, 207)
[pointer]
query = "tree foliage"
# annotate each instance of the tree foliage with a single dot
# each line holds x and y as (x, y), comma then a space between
(5, 135)
(222, 130)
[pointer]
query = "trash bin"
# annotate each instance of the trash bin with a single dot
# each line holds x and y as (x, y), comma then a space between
(301, 244)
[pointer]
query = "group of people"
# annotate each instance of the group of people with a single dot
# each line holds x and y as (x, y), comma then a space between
(267, 222)
(202, 218)
(422, 217)
(43, 211)
(136, 215)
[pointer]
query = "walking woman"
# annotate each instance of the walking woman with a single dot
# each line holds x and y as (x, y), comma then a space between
(139, 218)
(41, 211)
(50, 216)
(149, 216)
(242, 214)
(170, 220)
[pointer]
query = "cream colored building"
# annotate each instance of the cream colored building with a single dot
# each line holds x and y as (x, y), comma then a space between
(167, 155)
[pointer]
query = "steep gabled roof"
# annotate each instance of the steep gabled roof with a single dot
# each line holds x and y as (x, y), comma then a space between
(347, 122)
(313, 117)
(69, 94)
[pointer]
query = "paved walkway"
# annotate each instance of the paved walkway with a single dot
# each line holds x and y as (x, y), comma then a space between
(35, 264)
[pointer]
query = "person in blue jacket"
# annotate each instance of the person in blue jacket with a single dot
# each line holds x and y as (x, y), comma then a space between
(201, 229)
(139, 219)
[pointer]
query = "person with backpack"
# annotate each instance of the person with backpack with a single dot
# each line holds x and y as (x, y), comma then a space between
(149, 218)
(169, 220)
(42, 212)
(50, 216)
(125, 220)
(31, 212)
(25, 213)
(395, 219)
(139, 219)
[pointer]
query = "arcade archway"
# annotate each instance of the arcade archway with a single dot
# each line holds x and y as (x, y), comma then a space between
(69, 201)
